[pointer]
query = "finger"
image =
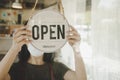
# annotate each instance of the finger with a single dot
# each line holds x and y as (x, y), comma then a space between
(73, 33)
(72, 28)
(76, 40)
(23, 32)
(19, 29)
(71, 42)
(19, 39)
(23, 42)
(73, 37)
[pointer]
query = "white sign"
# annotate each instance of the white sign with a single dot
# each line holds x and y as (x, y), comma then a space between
(49, 30)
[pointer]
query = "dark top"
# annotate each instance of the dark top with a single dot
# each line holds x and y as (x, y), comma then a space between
(27, 71)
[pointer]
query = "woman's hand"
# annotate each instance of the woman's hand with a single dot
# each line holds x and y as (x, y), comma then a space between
(80, 72)
(20, 37)
(73, 38)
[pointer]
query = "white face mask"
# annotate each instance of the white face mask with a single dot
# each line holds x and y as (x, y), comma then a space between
(33, 51)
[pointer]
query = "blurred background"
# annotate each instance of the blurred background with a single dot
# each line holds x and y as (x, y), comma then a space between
(97, 21)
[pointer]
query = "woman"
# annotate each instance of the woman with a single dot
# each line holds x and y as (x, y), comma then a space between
(42, 67)
(30, 64)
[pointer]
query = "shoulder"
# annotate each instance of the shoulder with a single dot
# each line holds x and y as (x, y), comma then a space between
(64, 71)
(59, 65)
(17, 65)
(15, 68)
(17, 71)
(60, 69)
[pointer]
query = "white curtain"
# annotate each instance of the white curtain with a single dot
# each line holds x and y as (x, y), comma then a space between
(106, 39)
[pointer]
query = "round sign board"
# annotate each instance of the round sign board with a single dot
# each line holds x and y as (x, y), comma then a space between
(49, 30)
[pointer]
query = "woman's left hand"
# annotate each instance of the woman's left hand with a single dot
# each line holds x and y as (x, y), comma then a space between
(73, 37)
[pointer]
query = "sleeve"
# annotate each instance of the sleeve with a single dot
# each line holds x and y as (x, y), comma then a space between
(12, 71)
(16, 72)
(59, 70)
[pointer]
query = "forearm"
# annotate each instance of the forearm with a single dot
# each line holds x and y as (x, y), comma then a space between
(79, 66)
(7, 61)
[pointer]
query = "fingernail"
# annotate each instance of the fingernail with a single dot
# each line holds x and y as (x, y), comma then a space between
(31, 33)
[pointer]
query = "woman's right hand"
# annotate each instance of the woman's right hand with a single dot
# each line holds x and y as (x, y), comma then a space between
(20, 37)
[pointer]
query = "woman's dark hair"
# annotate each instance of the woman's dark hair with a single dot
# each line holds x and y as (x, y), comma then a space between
(24, 55)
